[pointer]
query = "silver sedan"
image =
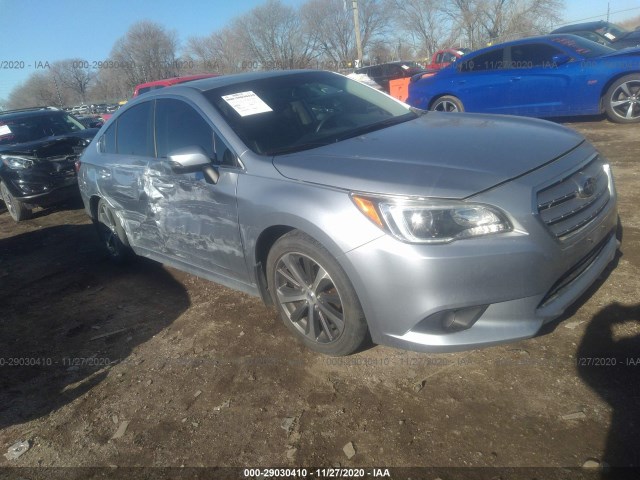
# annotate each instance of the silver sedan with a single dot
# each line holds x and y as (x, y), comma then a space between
(355, 215)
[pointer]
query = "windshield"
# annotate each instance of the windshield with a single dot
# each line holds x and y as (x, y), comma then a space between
(583, 47)
(30, 127)
(304, 110)
(612, 31)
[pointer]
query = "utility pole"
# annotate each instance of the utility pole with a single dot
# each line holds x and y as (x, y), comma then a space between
(55, 81)
(356, 25)
(608, 10)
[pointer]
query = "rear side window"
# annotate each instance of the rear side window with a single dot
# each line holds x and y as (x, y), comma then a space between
(534, 55)
(492, 60)
(135, 131)
(178, 125)
(108, 140)
(375, 71)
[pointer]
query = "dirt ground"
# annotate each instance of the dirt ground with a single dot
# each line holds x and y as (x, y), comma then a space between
(146, 366)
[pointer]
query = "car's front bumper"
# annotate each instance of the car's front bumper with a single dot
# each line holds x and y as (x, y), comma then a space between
(515, 282)
(41, 188)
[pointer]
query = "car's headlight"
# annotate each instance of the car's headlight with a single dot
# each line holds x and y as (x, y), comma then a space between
(15, 162)
(431, 221)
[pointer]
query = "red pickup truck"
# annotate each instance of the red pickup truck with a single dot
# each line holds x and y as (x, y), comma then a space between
(442, 58)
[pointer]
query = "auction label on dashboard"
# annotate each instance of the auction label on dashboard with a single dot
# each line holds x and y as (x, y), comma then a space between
(246, 103)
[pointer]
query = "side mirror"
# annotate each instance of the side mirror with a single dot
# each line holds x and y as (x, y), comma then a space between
(561, 59)
(192, 159)
(188, 159)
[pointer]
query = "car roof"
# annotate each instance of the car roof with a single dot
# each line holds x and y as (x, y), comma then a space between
(176, 80)
(524, 41)
(396, 62)
(7, 115)
(581, 26)
(226, 80)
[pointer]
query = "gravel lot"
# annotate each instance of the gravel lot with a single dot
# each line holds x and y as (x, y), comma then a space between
(147, 366)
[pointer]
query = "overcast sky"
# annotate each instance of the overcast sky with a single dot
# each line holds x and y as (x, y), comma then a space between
(36, 31)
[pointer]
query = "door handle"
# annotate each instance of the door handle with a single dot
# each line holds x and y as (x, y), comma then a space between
(516, 79)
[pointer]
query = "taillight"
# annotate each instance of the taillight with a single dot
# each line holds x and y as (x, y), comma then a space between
(77, 165)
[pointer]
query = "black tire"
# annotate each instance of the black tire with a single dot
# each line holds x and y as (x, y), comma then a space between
(622, 100)
(295, 266)
(111, 233)
(17, 209)
(447, 103)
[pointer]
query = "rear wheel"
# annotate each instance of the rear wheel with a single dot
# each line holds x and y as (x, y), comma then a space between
(314, 296)
(447, 103)
(112, 234)
(17, 209)
(622, 100)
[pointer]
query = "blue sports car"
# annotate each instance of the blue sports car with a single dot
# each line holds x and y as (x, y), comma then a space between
(549, 76)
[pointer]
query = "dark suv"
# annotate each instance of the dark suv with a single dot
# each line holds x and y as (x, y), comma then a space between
(385, 72)
(605, 33)
(38, 151)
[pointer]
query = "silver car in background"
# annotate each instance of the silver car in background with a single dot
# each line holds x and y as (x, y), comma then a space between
(352, 213)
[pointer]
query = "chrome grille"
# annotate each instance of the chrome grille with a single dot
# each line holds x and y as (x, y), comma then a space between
(572, 203)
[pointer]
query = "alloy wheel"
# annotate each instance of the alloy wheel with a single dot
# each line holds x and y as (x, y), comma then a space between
(309, 298)
(8, 201)
(625, 100)
(446, 106)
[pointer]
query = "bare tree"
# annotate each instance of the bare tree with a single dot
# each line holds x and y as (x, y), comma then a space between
(39, 89)
(632, 23)
(146, 52)
(330, 23)
(426, 22)
(273, 36)
(220, 52)
(109, 86)
(482, 22)
(508, 19)
(75, 76)
(332, 26)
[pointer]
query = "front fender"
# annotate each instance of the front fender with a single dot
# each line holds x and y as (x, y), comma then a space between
(326, 214)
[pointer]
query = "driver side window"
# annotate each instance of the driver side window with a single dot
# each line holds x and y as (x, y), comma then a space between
(178, 125)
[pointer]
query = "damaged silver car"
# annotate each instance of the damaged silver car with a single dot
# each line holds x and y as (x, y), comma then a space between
(355, 215)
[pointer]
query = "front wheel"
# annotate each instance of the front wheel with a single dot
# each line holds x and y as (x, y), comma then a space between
(17, 209)
(447, 103)
(314, 296)
(111, 234)
(622, 100)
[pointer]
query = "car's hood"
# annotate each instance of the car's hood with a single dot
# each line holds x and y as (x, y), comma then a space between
(443, 155)
(58, 145)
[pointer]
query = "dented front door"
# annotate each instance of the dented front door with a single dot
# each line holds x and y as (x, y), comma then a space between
(198, 221)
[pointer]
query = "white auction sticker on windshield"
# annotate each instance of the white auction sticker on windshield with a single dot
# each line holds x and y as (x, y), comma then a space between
(610, 36)
(246, 103)
(5, 130)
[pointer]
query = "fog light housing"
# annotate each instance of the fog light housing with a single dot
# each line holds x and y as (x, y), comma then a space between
(450, 321)
(31, 188)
